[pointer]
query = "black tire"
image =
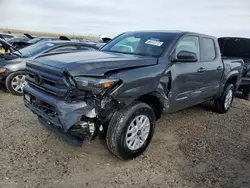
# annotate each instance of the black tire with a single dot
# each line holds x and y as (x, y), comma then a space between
(219, 104)
(246, 92)
(117, 129)
(9, 79)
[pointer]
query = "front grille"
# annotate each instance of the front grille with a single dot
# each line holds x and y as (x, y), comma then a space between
(47, 80)
(42, 106)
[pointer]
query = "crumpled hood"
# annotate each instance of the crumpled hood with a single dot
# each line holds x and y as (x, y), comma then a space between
(93, 63)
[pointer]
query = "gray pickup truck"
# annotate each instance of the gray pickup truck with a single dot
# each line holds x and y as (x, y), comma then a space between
(127, 85)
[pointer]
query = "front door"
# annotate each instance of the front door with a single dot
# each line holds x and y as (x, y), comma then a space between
(187, 77)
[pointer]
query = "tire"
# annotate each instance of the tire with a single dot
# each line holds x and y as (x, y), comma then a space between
(246, 92)
(119, 129)
(220, 103)
(13, 77)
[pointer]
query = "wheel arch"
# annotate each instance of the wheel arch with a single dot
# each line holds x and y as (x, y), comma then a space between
(156, 100)
(233, 79)
(8, 82)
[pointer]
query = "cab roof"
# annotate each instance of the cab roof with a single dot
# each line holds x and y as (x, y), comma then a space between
(174, 32)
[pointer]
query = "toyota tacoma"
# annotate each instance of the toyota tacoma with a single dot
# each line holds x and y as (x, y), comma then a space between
(125, 87)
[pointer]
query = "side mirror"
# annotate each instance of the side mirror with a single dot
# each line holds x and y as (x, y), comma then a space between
(186, 56)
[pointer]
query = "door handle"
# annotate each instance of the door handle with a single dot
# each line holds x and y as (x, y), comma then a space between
(219, 68)
(201, 69)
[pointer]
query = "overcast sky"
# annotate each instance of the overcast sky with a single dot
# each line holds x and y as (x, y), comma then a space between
(111, 17)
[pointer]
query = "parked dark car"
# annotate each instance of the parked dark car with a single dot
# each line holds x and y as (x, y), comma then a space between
(19, 42)
(6, 36)
(5, 47)
(123, 88)
(23, 42)
(13, 65)
(235, 47)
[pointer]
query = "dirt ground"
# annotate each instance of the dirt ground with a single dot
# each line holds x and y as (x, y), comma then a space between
(191, 148)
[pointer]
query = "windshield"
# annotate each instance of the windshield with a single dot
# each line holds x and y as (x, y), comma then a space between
(145, 43)
(35, 49)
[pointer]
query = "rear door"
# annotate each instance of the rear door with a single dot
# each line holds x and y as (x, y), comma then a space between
(187, 83)
(213, 67)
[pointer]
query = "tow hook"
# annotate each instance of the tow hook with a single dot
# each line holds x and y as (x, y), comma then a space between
(92, 128)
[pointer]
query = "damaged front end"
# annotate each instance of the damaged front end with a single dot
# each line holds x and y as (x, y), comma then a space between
(78, 107)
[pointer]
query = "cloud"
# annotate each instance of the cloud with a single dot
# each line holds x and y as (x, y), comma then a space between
(111, 17)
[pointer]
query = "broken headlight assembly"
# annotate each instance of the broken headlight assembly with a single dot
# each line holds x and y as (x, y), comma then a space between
(95, 85)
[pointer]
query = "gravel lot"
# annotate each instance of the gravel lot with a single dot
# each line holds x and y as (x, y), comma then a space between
(191, 148)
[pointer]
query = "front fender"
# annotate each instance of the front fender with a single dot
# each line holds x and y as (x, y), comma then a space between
(136, 83)
(15, 67)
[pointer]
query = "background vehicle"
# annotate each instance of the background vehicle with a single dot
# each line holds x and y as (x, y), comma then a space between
(5, 47)
(6, 36)
(235, 47)
(13, 66)
(27, 40)
(19, 42)
(129, 84)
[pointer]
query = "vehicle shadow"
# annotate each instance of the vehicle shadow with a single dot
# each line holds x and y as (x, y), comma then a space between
(3, 89)
(239, 95)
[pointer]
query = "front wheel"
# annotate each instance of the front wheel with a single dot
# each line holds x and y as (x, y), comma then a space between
(223, 104)
(15, 82)
(131, 130)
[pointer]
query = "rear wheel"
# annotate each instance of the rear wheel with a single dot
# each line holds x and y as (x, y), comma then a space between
(131, 130)
(223, 104)
(15, 82)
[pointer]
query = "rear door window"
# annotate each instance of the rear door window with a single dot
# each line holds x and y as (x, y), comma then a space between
(208, 50)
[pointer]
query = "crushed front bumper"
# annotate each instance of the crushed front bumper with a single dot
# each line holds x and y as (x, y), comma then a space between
(65, 136)
(55, 111)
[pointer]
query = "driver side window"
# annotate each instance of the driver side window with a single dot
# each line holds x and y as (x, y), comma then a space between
(190, 44)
